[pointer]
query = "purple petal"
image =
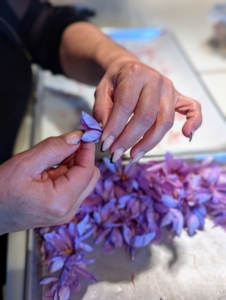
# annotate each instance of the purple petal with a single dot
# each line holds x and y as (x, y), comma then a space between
(127, 234)
(63, 231)
(92, 200)
(109, 165)
(83, 225)
(116, 237)
(90, 122)
(124, 200)
(100, 237)
(72, 228)
(178, 223)
(161, 208)
(109, 247)
(107, 210)
(203, 198)
(88, 233)
(192, 224)
(48, 280)
(97, 217)
(142, 240)
(56, 296)
(86, 247)
(49, 293)
(169, 201)
(85, 273)
(91, 136)
(56, 263)
(64, 293)
(167, 219)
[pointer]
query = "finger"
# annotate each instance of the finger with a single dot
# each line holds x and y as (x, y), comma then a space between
(51, 152)
(78, 201)
(57, 172)
(68, 159)
(192, 110)
(144, 117)
(88, 190)
(103, 102)
(126, 95)
(77, 178)
(164, 122)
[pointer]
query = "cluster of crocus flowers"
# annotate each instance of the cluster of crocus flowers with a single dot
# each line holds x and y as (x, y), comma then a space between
(129, 208)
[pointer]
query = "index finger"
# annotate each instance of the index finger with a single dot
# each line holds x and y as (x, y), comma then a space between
(126, 95)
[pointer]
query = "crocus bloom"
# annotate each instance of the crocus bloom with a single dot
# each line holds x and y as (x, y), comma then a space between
(93, 131)
(129, 208)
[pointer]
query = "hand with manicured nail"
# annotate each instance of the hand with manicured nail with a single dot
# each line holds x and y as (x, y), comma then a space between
(34, 194)
(135, 103)
(136, 106)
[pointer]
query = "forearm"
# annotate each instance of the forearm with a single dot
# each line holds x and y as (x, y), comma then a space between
(86, 53)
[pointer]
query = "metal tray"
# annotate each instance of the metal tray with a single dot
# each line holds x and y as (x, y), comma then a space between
(188, 268)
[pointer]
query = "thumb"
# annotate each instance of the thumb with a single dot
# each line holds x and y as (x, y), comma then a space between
(51, 151)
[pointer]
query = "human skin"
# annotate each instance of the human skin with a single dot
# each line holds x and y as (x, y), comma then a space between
(126, 88)
(33, 194)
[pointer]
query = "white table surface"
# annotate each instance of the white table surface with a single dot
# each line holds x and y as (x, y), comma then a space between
(187, 18)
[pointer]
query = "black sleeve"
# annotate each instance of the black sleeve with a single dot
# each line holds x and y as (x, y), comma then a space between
(41, 30)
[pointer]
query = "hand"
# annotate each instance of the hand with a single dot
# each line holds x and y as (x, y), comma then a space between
(133, 90)
(32, 194)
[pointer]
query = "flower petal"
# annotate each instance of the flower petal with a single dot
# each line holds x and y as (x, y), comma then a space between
(91, 136)
(90, 122)
(127, 234)
(48, 280)
(64, 293)
(84, 273)
(169, 201)
(142, 240)
(56, 263)
(192, 224)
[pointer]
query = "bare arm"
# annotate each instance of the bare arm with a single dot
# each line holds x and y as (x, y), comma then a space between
(86, 53)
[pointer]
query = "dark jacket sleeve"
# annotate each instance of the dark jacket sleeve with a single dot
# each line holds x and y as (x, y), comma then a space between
(41, 31)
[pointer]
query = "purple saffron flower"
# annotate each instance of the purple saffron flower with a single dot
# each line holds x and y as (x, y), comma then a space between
(129, 208)
(93, 131)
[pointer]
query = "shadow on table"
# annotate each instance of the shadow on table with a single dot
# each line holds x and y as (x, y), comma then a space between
(118, 267)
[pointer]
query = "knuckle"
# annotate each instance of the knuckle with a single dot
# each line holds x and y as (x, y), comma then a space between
(59, 208)
(126, 107)
(147, 119)
(197, 105)
(157, 79)
(133, 67)
(53, 144)
(168, 124)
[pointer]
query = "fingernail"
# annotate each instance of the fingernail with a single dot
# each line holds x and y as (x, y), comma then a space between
(137, 157)
(116, 155)
(191, 135)
(107, 143)
(73, 138)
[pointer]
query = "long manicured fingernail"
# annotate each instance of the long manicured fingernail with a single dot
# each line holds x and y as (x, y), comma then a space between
(73, 138)
(107, 143)
(191, 135)
(116, 155)
(137, 157)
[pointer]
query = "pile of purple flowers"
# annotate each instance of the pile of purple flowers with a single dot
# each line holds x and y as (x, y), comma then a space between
(129, 208)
